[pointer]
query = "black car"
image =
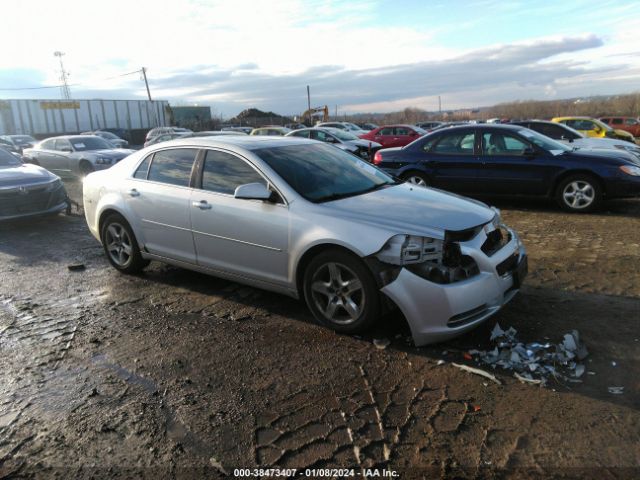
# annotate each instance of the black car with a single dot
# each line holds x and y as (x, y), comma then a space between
(512, 160)
(27, 190)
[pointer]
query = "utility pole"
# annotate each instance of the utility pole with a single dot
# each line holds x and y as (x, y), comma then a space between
(64, 87)
(336, 115)
(144, 74)
(439, 105)
(309, 104)
(146, 83)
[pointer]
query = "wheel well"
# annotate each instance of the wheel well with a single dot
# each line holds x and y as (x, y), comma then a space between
(308, 256)
(103, 216)
(570, 173)
(412, 171)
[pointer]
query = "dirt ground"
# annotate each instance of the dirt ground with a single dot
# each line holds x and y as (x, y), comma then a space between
(174, 374)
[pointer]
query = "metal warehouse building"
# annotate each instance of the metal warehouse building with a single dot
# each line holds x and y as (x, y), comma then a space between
(53, 117)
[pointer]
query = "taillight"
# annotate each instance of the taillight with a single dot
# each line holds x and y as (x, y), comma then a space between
(377, 158)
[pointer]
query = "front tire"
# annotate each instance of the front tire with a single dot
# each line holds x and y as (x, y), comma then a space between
(341, 292)
(121, 246)
(579, 193)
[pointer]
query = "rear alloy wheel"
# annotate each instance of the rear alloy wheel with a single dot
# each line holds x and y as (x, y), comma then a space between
(121, 246)
(579, 193)
(416, 178)
(341, 292)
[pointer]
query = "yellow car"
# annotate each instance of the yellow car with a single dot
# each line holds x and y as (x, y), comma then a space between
(592, 127)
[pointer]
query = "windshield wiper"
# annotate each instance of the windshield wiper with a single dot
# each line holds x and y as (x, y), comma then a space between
(338, 196)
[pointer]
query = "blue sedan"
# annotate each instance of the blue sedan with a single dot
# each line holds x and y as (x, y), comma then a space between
(512, 160)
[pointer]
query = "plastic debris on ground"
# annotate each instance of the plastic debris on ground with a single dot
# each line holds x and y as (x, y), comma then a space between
(535, 362)
(381, 343)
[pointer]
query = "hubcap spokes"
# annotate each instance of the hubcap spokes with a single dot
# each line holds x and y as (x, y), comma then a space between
(338, 293)
(417, 181)
(579, 194)
(118, 244)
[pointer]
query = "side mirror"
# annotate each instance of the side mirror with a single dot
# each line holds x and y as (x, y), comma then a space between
(66, 149)
(253, 191)
(529, 152)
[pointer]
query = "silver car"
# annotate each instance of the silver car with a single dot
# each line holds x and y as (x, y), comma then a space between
(75, 154)
(341, 139)
(306, 219)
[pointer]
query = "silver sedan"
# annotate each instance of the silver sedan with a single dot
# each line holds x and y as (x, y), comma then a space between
(311, 221)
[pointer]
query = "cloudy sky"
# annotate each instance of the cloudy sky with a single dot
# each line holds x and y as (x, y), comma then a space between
(375, 55)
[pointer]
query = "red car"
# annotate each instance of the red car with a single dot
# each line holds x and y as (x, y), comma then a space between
(394, 135)
(629, 124)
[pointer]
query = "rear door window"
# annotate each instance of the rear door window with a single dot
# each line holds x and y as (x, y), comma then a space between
(496, 143)
(172, 167)
(455, 143)
(386, 131)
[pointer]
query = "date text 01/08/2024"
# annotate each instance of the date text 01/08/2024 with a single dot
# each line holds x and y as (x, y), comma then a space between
(314, 472)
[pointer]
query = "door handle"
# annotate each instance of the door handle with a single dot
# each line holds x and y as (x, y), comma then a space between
(202, 205)
(134, 193)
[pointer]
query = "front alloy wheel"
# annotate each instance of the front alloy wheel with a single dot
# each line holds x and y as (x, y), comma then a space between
(337, 293)
(341, 292)
(579, 193)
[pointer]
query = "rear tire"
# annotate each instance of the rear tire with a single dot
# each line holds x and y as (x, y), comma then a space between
(341, 292)
(579, 193)
(416, 178)
(121, 246)
(86, 168)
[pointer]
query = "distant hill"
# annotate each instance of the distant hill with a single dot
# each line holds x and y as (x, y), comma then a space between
(256, 118)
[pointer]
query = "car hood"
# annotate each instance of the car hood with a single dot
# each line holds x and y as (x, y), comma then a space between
(363, 143)
(616, 155)
(407, 208)
(596, 142)
(26, 174)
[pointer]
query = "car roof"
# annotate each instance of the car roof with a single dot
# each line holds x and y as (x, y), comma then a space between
(246, 142)
(481, 126)
(69, 137)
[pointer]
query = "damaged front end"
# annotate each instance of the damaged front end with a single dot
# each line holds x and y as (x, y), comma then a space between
(447, 285)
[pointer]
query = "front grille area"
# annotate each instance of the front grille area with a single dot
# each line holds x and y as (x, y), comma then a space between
(507, 265)
(31, 200)
(496, 239)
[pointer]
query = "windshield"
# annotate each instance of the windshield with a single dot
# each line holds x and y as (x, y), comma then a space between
(8, 160)
(420, 130)
(82, 144)
(342, 135)
(544, 142)
(108, 135)
(602, 125)
(23, 139)
(352, 126)
(321, 172)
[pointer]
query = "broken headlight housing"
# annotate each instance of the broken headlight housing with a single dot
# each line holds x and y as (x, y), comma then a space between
(436, 260)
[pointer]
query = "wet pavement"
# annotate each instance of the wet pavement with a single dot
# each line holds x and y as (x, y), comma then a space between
(173, 374)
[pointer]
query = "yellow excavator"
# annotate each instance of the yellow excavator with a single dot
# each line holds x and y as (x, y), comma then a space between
(313, 112)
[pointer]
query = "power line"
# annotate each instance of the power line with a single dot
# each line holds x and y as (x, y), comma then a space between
(68, 84)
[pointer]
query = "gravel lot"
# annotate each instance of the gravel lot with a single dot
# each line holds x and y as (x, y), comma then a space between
(174, 374)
